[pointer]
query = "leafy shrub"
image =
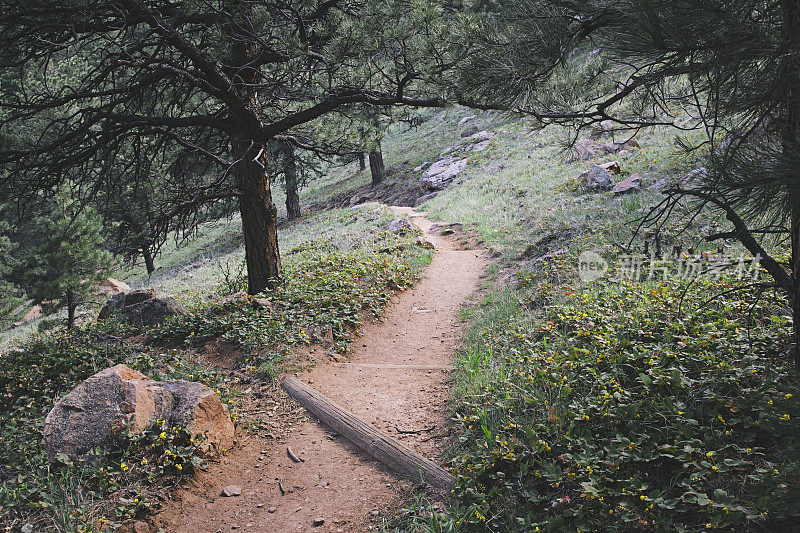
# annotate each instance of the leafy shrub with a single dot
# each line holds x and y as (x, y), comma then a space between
(613, 411)
(324, 288)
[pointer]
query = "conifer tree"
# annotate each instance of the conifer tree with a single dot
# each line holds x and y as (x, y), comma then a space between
(67, 258)
(288, 162)
(9, 292)
(206, 83)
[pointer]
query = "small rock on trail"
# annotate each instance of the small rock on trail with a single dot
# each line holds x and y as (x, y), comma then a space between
(232, 490)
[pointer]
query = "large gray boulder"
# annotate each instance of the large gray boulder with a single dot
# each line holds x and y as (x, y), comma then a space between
(96, 412)
(141, 308)
(441, 173)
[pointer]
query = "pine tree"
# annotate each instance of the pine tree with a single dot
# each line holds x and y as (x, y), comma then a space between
(376, 166)
(9, 292)
(288, 163)
(210, 84)
(68, 258)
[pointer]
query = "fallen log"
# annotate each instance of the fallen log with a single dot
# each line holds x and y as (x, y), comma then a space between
(399, 458)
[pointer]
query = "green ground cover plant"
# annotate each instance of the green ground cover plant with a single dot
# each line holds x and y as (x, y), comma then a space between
(339, 267)
(117, 484)
(612, 410)
(331, 281)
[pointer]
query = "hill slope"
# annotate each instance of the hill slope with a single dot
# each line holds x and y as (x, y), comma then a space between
(651, 399)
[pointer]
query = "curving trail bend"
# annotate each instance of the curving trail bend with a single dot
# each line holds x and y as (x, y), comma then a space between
(396, 377)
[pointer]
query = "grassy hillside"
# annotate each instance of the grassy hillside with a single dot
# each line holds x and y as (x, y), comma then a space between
(632, 405)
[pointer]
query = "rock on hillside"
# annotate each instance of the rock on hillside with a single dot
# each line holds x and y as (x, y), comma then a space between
(629, 184)
(96, 412)
(586, 149)
(141, 307)
(110, 286)
(475, 142)
(399, 226)
(472, 130)
(441, 173)
(590, 149)
(597, 178)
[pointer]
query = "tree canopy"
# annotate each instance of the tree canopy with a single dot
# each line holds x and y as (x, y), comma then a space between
(203, 86)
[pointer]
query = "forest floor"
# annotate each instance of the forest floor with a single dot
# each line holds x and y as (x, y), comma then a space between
(395, 376)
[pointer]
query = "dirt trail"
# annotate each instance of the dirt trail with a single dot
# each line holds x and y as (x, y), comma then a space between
(396, 377)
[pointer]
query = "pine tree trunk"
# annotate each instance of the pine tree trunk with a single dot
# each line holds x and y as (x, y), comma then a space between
(259, 214)
(376, 165)
(259, 220)
(148, 260)
(362, 163)
(795, 230)
(290, 175)
(71, 305)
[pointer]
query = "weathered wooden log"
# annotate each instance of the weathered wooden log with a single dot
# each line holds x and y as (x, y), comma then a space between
(396, 456)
